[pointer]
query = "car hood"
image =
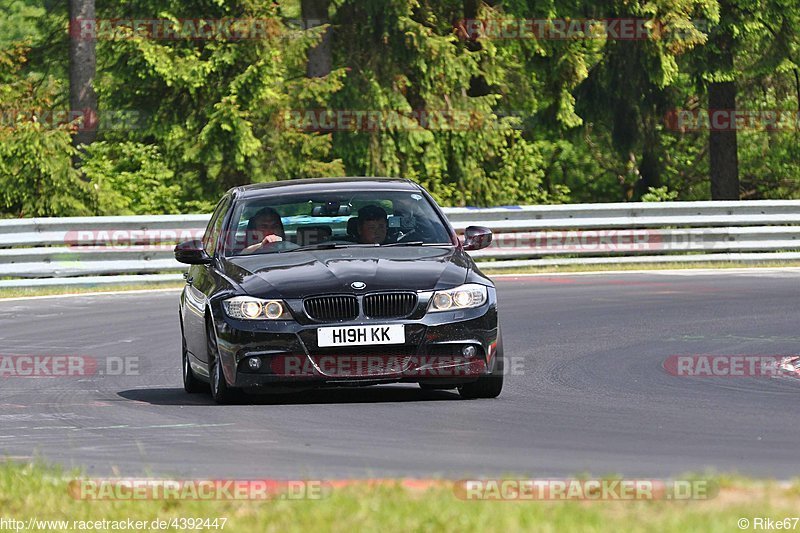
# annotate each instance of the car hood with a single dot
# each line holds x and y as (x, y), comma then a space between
(300, 274)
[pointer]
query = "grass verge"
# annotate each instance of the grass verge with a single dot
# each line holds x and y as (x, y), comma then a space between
(35, 491)
(487, 269)
(51, 291)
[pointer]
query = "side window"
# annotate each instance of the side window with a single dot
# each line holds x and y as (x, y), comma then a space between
(214, 226)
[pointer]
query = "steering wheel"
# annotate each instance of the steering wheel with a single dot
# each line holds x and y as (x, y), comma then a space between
(403, 237)
(279, 246)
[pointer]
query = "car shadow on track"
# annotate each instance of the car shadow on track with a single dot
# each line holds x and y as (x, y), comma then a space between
(377, 394)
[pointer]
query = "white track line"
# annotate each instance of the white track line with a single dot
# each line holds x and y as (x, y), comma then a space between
(99, 293)
(676, 271)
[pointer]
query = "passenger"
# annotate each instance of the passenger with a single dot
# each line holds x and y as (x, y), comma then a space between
(372, 225)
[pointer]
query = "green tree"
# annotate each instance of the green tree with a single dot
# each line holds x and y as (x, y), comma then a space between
(36, 174)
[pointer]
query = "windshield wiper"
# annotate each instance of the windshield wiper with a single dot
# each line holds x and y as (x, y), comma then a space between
(417, 243)
(409, 243)
(328, 246)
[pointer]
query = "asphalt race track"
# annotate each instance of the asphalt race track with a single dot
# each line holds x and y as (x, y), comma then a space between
(587, 394)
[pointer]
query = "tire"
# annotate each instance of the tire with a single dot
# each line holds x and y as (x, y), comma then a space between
(191, 384)
(428, 386)
(220, 391)
(486, 386)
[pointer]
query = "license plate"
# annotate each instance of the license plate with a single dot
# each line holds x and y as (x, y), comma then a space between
(361, 335)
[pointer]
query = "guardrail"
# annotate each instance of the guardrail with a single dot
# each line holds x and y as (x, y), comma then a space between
(124, 250)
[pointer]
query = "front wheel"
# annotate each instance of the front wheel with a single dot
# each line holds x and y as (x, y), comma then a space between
(486, 386)
(191, 384)
(220, 391)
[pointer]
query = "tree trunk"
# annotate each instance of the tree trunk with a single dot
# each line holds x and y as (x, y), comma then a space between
(722, 142)
(477, 84)
(82, 66)
(722, 145)
(651, 165)
(320, 59)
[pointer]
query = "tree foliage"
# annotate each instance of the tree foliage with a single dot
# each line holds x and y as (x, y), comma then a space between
(485, 121)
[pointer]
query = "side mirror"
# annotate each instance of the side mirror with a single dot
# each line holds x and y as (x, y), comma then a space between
(477, 238)
(192, 253)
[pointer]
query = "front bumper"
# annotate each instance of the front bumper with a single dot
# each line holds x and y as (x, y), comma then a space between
(433, 352)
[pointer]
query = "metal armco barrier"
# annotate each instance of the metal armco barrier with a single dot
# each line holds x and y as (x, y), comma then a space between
(135, 249)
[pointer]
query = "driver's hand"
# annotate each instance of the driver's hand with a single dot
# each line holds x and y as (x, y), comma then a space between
(259, 245)
(270, 239)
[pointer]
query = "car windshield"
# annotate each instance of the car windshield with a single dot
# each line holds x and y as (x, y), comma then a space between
(285, 223)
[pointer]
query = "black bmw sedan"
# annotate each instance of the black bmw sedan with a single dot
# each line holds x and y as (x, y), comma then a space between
(336, 282)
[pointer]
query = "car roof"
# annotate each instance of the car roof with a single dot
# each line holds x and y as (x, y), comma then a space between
(313, 185)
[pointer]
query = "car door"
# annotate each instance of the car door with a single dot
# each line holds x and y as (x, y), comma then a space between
(200, 285)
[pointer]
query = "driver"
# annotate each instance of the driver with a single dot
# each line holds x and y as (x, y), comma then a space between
(265, 228)
(372, 225)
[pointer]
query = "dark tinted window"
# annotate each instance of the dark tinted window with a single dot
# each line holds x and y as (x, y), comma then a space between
(358, 218)
(215, 226)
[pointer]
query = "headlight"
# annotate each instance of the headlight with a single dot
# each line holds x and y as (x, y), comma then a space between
(463, 297)
(249, 308)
